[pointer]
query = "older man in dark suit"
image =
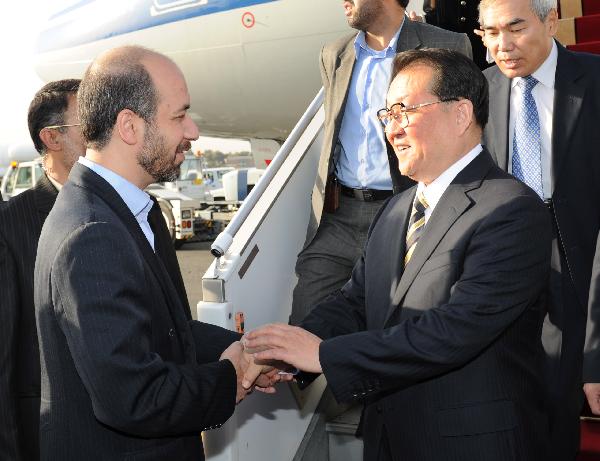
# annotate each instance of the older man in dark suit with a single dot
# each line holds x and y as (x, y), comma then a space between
(544, 109)
(438, 330)
(54, 129)
(126, 372)
(357, 164)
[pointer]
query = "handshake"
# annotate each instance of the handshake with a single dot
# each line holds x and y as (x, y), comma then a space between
(265, 356)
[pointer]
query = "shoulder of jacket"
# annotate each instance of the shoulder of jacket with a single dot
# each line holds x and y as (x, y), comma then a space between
(338, 45)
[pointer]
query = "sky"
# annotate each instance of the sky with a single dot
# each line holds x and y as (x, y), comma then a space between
(20, 21)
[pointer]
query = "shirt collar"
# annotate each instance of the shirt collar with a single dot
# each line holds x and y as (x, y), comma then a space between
(54, 182)
(434, 191)
(546, 73)
(135, 198)
(360, 42)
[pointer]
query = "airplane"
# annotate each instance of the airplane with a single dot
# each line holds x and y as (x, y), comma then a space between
(251, 65)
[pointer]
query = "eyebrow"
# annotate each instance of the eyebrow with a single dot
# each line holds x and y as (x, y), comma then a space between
(512, 23)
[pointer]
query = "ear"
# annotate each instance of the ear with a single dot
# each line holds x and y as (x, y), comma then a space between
(130, 127)
(51, 138)
(552, 22)
(464, 115)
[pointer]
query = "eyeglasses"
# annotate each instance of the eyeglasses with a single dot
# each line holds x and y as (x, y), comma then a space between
(56, 127)
(399, 112)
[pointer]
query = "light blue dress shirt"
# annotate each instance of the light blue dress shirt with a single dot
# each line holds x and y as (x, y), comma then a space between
(138, 201)
(362, 161)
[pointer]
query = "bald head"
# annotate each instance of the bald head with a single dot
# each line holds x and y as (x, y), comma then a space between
(117, 79)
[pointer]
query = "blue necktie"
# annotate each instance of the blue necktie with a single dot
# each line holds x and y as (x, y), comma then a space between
(527, 154)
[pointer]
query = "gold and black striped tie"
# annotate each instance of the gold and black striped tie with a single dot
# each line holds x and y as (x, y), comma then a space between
(415, 225)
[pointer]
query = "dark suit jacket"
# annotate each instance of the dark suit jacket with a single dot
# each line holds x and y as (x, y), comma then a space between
(446, 353)
(21, 221)
(458, 16)
(576, 200)
(125, 373)
(337, 64)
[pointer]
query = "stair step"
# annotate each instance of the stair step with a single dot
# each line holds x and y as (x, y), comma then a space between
(591, 7)
(587, 47)
(587, 28)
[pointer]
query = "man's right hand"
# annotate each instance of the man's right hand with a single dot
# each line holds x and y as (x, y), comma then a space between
(235, 354)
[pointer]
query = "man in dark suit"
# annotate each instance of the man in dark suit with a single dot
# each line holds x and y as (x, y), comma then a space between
(458, 16)
(126, 372)
(558, 157)
(438, 330)
(54, 128)
(360, 166)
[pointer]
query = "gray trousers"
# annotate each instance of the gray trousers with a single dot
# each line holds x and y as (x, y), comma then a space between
(326, 263)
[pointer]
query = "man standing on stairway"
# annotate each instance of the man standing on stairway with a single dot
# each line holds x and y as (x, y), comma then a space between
(357, 165)
(543, 128)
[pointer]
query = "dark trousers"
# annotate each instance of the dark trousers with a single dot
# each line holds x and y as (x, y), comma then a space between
(326, 263)
(563, 337)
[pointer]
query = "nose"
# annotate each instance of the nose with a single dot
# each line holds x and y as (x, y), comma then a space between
(505, 42)
(392, 130)
(191, 131)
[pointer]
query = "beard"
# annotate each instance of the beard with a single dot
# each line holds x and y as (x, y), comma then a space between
(155, 158)
(365, 15)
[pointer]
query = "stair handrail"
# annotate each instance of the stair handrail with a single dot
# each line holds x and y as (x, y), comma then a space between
(224, 240)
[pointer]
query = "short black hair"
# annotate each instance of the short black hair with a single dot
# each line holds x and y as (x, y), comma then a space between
(403, 3)
(48, 108)
(106, 90)
(455, 77)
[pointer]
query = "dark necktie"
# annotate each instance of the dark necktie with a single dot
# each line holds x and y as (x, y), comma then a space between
(415, 225)
(527, 150)
(164, 249)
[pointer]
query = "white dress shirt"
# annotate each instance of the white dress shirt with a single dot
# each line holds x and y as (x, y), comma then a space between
(434, 191)
(543, 94)
(138, 201)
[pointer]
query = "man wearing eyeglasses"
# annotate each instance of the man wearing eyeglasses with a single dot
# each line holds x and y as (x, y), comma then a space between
(357, 165)
(438, 330)
(54, 129)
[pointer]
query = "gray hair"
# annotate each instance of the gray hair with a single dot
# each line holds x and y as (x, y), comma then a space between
(540, 8)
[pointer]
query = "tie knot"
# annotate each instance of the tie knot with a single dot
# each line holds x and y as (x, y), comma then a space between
(528, 83)
(421, 202)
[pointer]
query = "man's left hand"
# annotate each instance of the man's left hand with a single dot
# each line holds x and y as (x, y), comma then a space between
(592, 393)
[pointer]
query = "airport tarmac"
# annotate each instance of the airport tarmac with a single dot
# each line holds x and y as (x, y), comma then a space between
(194, 258)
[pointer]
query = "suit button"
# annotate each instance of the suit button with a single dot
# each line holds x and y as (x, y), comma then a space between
(378, 408)
(463, 19)
(463, 3)
(171, 332)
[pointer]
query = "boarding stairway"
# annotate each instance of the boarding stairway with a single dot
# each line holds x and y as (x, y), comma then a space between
(579, 25)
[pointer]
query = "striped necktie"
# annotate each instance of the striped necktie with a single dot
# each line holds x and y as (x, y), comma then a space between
(527, 153)
(415, 225)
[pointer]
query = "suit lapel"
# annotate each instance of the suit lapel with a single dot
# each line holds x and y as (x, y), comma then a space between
(45, 196)
(500, 107)
(343, 74)
(84, 177)
(568, 98)
(409, 38)
(401, 210)
(453, 203)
